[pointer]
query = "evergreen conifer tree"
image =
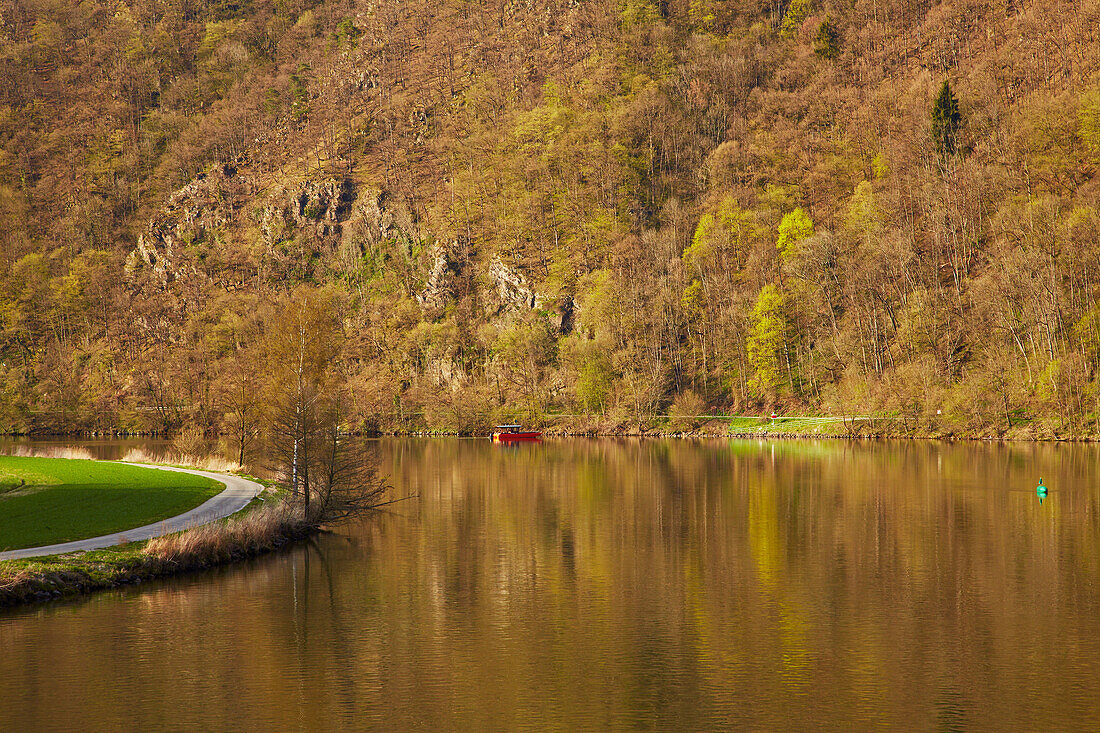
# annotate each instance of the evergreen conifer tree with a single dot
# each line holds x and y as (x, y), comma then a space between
(827, 40)
(945, 121)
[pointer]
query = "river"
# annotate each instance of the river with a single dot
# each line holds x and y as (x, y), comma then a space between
(619, 585)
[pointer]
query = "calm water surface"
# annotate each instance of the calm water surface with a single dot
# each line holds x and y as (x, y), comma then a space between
(609, 585)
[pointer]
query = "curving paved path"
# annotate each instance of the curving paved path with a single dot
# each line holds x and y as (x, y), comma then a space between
(238, 492)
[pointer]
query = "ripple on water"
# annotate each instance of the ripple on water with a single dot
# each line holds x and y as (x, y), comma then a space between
(611, 585)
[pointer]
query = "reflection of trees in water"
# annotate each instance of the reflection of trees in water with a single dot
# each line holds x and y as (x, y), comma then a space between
(617, 584)
(343, 665)
(763, 564)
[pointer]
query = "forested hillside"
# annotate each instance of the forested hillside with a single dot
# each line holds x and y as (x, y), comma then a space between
(454, 212)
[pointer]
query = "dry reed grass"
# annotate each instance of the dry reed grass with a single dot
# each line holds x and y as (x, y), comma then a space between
(50, 451)
(177, 458)
(257, 531)
(13, 577)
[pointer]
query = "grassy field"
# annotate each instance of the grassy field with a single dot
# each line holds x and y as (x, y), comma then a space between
(808, 426)
(48, 500)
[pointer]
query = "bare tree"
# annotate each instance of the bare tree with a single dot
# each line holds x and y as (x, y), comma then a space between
(347, 480)
(302, 347)
(325, 471)
(240, 401)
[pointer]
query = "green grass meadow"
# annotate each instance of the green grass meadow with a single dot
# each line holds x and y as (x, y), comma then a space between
(44, 501)
(808, 426)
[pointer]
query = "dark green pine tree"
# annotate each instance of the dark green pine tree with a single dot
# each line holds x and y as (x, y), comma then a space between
(945, 121)
(827, 40)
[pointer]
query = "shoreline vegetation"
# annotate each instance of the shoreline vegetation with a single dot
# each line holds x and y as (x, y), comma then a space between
(806, 426)
(619, 426)
(252, 533)
(278, 517)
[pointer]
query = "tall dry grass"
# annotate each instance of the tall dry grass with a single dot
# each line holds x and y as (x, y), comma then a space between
(177, 458)
(258, 531)
(11, 577)
(50, 451)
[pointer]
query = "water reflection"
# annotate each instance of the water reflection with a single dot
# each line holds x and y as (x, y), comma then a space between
(111, 449)
(619, 584)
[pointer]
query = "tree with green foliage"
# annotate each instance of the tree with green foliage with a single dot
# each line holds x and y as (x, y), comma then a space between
(946, 119)
(793, 228)
(524, 352)
(299, 93)
(767, 340)
(1088, 120)
(346, 34)
(594, 384)
(796, 15)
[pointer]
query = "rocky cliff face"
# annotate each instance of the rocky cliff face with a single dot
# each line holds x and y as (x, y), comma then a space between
(445, 265)
(284, 233)
(314, 209)
(514, 291)
(192, 215)
(289, 225)
(512, 287)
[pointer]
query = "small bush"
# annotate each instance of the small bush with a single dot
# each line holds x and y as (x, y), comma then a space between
(685, 411)
(191, 441)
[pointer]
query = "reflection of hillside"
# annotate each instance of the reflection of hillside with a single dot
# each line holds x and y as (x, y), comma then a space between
(617, 584)
(728, 562)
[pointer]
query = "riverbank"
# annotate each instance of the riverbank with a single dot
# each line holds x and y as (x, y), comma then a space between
(1052, 428)
(238, 523)
(781, 426)
(214, 533)
(256, 532)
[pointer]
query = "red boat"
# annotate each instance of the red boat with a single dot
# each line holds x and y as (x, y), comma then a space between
(509, 433)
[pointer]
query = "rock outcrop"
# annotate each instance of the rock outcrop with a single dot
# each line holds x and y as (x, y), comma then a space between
(191, 215)
(314, 208)
(444, 267)
(287, 232)
(511, 286)
(296, 223)
(515, 292)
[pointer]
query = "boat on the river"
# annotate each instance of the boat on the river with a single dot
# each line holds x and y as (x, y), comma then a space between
(509, 433)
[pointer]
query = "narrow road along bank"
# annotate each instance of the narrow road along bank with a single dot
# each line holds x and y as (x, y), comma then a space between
(238, 492)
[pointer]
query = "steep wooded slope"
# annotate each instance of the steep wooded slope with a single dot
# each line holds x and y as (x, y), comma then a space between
(616, 208)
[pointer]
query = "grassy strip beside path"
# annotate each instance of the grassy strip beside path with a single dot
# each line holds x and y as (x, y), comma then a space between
(44, 501)
(255, 531)
(723, 426)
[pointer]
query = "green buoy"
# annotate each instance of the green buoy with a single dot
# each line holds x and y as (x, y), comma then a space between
(1041, 491)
